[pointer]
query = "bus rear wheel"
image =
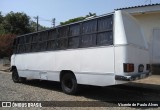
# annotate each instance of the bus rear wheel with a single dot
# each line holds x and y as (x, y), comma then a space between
(69, 84)
(16, 78)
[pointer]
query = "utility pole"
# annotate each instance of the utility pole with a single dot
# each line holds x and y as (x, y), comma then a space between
(54, 22)
(37, 18)
(150, 1)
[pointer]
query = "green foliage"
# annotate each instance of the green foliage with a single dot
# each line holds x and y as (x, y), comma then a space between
(90, 14)
(77, 19)
(11, 25)
(72, 20)
(34, 26)
(16, 23)
(1, 18)
(2, 31)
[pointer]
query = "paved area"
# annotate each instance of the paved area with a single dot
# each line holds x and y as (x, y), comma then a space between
(154, 79)
(33, 90)
(4, 68)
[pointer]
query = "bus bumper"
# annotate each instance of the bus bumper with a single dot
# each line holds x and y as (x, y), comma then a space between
(133, 77)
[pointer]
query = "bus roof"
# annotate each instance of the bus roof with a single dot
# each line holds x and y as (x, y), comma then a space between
(69, 24)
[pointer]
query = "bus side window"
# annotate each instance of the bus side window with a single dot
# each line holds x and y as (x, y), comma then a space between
(105, 38)
(52, 34)
(105, 23)
(88, 40)
(74, 30)
(105, 31)
(35, 38)
(51, 45)
(62, 43)
(43, 46)
(34, 47)
(73, 42)
(63, 31)
(28, 39)
(28, 48)
(15, 45)
(22, 40)
(89, 26)
(74, 33)
(43, 36)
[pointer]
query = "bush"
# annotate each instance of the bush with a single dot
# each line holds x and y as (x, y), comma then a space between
(6, 42)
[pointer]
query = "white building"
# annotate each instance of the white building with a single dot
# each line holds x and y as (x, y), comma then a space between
(149, 19)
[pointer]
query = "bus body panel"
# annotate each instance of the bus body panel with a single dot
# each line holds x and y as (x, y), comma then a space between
(130, 45)
(48, 65)
(127, 30)
(130, 54)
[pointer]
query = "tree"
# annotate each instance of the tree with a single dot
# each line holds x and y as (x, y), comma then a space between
(34, 26)
(72, 20)
(90, 14)
(77, 19)
(11, 25)
(17, 23)
(2, 31)
(1, 18)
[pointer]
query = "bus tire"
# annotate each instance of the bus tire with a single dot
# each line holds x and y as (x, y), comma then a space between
(16, 78)
(69, 84)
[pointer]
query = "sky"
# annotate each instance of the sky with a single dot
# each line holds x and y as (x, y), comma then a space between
(63, 10)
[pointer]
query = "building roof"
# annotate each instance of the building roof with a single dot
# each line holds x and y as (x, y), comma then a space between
(138, 6)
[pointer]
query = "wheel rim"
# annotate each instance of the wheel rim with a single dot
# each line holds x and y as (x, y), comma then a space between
(68, 83)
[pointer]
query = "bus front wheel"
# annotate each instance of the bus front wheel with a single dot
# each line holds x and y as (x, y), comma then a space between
(16, 78)
(69, 84)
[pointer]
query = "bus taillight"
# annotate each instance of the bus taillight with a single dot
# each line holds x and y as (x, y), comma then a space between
(128, 67)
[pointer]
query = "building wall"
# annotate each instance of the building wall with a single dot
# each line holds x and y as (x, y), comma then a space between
(149, 22)
(148, 17)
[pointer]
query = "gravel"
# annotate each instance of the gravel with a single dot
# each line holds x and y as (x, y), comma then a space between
(35, 90)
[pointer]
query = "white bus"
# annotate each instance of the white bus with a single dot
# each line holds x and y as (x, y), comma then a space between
(101, 51)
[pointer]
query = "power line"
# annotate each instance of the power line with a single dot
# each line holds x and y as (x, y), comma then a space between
(150, 1)
(53, 21)
(43, 19)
